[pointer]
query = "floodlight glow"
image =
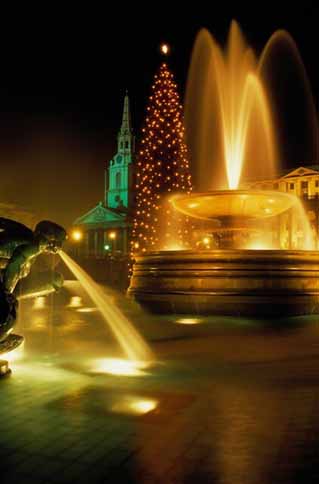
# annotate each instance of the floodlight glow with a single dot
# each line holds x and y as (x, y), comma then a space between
(134, 405)
(117, 366)
(39, 302)
(76, 302)
(87, 310)
(188, 321)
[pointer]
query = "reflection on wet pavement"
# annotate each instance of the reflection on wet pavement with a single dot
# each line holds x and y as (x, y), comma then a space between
(228, 401)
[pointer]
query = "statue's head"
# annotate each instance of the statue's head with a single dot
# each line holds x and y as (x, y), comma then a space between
(50, 236)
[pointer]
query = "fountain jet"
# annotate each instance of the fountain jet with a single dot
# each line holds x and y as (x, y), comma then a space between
(227, 113)
(131, 342)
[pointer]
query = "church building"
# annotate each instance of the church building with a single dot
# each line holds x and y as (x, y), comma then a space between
(105, 228)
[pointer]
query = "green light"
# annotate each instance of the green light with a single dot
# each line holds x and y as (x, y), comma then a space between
(106, 247)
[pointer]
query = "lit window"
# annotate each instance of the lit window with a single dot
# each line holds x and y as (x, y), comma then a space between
(304, 188)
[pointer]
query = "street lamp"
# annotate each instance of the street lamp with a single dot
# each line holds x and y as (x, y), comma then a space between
(112, 237)
(77, 235)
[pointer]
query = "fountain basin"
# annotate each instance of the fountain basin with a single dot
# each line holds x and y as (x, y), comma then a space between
(233, 204)
(259, 283)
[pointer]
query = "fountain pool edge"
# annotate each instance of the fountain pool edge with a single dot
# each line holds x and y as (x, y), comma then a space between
(258, 283)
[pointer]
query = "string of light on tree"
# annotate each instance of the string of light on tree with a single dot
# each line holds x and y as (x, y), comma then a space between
(162, 167)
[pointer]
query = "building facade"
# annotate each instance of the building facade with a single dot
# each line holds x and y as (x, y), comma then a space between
(104, 230)
(302, 182)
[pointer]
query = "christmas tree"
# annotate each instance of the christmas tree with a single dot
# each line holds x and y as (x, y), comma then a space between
(162, 169)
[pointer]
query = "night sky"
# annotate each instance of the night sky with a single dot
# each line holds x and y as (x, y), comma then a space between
(63, 77)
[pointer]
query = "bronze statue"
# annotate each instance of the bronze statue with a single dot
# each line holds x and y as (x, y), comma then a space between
(19, 248)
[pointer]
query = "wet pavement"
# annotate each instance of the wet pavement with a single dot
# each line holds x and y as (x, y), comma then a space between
(228, 401)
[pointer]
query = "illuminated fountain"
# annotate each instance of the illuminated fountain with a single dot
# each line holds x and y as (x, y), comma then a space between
(137, 355)
(232, 138)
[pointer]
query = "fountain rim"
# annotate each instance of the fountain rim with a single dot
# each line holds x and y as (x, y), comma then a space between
(249, 193)
(203, 251)
(229, 191)
(189, 255)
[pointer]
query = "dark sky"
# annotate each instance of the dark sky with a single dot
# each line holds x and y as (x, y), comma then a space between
(63, 77)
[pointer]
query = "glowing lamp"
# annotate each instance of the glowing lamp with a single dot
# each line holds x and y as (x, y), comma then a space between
(77, 235)
(106, 247)
(112, 235)
(165, 49)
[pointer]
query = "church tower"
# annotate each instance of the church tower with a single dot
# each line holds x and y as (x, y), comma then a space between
(105, 229)
(119, 173)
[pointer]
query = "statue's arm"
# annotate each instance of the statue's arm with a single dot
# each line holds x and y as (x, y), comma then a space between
(19, 265)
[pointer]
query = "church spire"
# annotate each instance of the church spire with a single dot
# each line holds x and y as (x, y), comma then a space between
(126, 127)
(125, 139)
(119, 175)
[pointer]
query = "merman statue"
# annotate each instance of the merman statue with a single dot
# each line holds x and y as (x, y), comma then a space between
(19, 248)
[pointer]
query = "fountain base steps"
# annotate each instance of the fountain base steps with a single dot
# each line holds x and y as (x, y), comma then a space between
(259, 283)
